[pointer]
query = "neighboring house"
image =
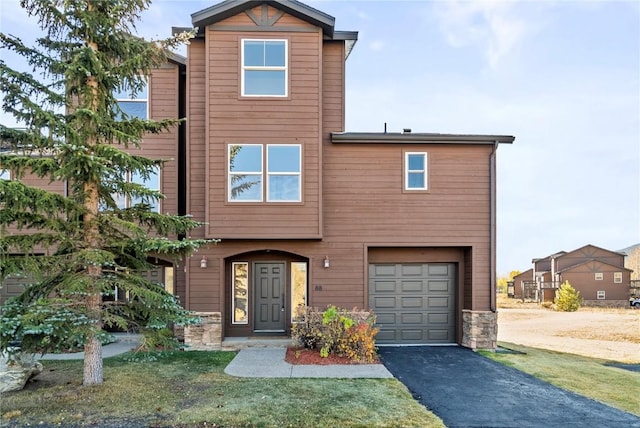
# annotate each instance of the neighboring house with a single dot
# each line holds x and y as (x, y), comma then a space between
(524, 286)
(399, 223)
(598, 274)
(159, 101)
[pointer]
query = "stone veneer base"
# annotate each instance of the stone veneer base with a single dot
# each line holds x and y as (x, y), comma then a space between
(479, 329)
(206, 336)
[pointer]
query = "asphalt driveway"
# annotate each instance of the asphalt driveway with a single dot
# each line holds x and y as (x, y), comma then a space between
(466, 389)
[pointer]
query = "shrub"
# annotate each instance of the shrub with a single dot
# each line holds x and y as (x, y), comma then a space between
(337, 331)
(567, 298)
(358, 343)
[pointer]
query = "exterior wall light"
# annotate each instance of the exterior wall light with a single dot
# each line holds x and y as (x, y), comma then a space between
(203, 263)
(326, 261)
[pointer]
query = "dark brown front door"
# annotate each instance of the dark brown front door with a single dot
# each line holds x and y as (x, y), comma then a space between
(269, 301)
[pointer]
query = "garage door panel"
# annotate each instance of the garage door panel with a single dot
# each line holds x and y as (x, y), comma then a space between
(411, 318)
(386, 318)
(438, 302)
(411, 302)
(409, 335)
(438, 335)
(385, 302)
(411, 286)
(438, 269)
(444, 318)
(414, 303)
(439, 286)
(411, 270)
(385, 286)
(384, 270)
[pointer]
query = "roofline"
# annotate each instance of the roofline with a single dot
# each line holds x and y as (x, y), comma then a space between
(416, 138)
(178, 59)
(591, 261)
(229, 8)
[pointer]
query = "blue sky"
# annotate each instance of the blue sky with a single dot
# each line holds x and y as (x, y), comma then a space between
(563, 77)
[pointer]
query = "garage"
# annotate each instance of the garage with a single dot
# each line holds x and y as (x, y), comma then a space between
(414, 302)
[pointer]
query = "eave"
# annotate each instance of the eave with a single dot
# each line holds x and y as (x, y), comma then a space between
(416, 138)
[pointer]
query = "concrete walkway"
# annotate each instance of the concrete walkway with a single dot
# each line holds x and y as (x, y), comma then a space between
(270, 363)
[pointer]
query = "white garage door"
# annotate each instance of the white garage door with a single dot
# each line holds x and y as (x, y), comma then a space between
(414, 303)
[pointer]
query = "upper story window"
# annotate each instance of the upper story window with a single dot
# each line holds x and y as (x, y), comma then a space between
(5, 174)
(617, 277)
(151, 183)
(134, 106)
(274, 170)
(264, 68)
(599, 276)
(415, 171)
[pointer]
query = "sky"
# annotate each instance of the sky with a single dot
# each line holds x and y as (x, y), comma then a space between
(563, 77)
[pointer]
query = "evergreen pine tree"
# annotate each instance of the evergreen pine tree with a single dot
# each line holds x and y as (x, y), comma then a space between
(75, 132)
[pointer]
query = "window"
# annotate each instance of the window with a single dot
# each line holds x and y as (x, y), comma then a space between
(283, 166)
(264, 68)
(617, 277)
(298, 288)
(5, 174)
(601, 295)
(152, 183)
(415, 171)
(136, 106)
(599, 276)
(240, 295)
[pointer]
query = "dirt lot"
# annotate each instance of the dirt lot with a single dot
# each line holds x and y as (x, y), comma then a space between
(611, 334)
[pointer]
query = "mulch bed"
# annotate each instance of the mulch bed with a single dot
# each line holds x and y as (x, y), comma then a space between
(299, 356)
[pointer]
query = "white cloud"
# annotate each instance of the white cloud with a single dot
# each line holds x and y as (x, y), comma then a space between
(492, 26)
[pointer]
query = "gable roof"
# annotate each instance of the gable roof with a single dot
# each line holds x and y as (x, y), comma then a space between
(570, 268)
(229, 8)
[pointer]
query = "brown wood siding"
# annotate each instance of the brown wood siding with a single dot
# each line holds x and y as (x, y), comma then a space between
(586, 253)
(232, 119)
(196, 159)
(582, 278)
(163, 104)
(332, 88)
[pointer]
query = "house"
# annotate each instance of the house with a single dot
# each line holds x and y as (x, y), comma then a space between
(598, 274)
(400, 223)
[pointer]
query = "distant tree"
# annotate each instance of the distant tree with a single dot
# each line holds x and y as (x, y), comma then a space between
(567, 298)
(75, 132)
(503, 282)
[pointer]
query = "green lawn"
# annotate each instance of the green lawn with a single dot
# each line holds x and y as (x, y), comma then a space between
(586, 376)
(189, 389)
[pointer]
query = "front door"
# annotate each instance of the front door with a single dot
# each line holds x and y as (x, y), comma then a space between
(269, 301)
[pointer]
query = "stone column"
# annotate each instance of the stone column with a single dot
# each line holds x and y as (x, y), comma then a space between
(479, 329)
(206, 336)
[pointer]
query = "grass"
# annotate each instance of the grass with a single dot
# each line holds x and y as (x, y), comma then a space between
(190, 389)
(586, 376)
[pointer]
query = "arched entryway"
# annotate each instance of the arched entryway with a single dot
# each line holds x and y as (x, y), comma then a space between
(263, 290)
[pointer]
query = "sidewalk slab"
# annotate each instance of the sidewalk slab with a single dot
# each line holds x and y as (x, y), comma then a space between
(270, 363)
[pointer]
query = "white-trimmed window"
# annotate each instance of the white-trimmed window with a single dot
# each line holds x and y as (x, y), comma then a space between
(599, 276)
(5, 174)
(601, 295)
(278, 175)
(240, 293)
(264, 68)
(298, 288)
(617, 277)
(152, 183)
(415, 171)
(134, 105)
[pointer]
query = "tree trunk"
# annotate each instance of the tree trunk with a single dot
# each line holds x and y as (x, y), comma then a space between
(92, 361)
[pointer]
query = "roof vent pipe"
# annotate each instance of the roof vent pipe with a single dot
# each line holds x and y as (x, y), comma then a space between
(406, 130)
(385, 127)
